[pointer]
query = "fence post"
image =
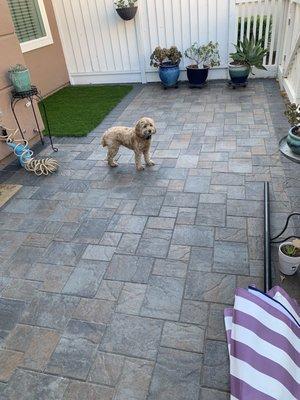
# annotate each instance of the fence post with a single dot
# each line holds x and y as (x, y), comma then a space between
(232, 24)
(140, 41)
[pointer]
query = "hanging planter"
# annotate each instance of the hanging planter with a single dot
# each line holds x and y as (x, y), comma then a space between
(126, 9)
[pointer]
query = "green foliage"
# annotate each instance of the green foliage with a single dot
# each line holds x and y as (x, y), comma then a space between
(250, 53)
(125, 3)
(206, 56)
(289, 250)
(293, 114)
(17, 68)
(77, 110)
(161, 56)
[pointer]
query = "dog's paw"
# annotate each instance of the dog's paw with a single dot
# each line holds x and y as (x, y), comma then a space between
(113, 164)
(140, 168)
(151, 163)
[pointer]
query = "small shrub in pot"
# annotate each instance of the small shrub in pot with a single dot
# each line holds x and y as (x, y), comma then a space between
(293, 115)
(167, 61)
(126, 9)
(203, 58)
(249, 54)
(20, 78)
(289, 257)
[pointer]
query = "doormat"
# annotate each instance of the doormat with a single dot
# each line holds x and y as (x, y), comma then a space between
(8, 191)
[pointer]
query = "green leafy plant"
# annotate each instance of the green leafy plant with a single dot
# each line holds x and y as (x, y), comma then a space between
(293, 115)
(291, 250)
(250, 53)
(125, 3)
(17, 68)
(162, 56)
(206, 56)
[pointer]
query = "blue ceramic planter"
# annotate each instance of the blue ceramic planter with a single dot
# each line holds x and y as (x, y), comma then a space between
(169, 74)
(293, 141)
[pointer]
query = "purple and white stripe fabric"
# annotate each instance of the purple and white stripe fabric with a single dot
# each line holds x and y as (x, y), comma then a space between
(263, 336)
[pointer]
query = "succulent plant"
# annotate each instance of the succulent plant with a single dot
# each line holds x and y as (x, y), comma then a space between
(293, 115)
(125, 3)
(17, 68)
(250, 53)
(291, 250)
(161, 56)
(207, 55)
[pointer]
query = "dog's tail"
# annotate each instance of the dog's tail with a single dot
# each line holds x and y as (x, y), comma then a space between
(103, 141)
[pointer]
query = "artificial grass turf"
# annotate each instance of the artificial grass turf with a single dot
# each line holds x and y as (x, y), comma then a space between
(77, 110)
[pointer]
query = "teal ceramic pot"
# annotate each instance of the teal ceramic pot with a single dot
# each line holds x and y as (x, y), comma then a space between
(238, 73)
(169, 74)
(20, 80)
(293, 141)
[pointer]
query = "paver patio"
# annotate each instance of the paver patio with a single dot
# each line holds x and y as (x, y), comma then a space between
(113, 282)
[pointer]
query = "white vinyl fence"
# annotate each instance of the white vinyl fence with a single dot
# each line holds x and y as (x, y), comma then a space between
(102, 48)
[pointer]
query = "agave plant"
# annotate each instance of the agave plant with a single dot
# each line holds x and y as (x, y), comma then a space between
(250, 53)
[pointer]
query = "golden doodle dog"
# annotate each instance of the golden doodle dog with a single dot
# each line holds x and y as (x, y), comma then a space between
(137, 139)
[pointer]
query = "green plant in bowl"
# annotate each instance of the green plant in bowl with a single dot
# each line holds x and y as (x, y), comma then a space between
(293, 115)
(249, 54)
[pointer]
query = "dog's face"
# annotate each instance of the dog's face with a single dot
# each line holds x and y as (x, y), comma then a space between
(145, 128)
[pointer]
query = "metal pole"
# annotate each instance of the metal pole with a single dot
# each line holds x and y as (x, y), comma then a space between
(267, 240)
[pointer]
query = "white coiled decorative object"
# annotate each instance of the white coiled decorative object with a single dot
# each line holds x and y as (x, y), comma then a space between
(42, 166)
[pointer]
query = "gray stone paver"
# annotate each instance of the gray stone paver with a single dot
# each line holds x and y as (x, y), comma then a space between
(112, 282)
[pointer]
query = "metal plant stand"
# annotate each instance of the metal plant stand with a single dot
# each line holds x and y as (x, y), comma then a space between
(199, 86)
(234, 85)
(31, 95)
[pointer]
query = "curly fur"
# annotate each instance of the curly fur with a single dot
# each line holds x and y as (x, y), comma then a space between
(137, 139)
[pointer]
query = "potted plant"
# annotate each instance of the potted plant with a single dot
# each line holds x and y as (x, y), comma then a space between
(249, 54)
(126, 9)
(293, 115)
(20, 78)
(204, 58)
(167, 61)
(289, 257)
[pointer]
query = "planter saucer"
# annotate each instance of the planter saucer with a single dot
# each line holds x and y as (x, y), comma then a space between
(235, 85)
(200, 86)
(170, 87)
(287, 152)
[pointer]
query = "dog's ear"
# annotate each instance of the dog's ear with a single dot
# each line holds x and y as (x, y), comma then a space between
(138, 127)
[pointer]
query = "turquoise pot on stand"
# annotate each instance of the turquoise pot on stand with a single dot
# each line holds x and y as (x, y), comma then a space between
(20, 80)
(169, 74)
(293, 141)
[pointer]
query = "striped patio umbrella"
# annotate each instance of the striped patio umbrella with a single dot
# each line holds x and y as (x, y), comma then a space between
(263, 336)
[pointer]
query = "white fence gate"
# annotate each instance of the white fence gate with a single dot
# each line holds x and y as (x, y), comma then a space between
(99, 47)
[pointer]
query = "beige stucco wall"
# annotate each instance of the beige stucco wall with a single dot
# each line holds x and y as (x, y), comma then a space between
(47, 64)
(47, 68)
